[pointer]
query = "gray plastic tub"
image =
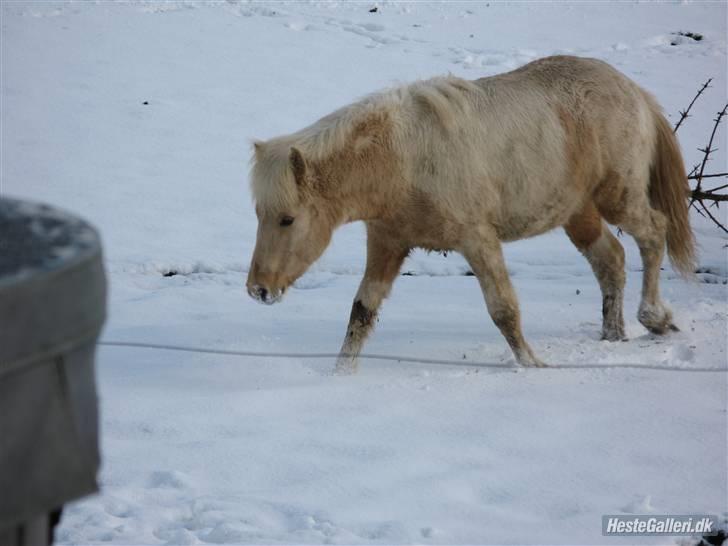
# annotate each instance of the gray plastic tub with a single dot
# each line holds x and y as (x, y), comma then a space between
(52, 307)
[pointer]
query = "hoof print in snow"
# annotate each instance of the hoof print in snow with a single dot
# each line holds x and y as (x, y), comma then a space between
(695, 36)
(427, 532)
(165, 479)
(710, 275)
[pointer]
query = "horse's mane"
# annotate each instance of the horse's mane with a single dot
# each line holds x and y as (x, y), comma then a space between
(271, 178)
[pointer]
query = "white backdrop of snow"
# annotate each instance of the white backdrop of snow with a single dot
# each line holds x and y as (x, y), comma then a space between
(215, 449)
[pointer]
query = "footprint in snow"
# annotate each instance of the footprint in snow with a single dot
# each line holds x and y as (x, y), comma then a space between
(641, 504)
(117, 508)
(683, 352)
(372, 27)
(299, 26)
(168, 479)
(177, 536)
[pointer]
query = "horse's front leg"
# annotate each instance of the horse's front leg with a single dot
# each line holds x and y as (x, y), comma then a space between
(485, 256)
(384, 259)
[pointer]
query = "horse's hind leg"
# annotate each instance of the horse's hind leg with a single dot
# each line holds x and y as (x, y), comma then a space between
(605, 254)
(648, 227)
(384, 259)
(624, 201)
(486, 258)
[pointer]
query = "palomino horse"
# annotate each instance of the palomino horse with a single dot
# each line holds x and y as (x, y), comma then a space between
(451, 164)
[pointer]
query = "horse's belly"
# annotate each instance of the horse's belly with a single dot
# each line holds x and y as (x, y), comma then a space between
(521, 222)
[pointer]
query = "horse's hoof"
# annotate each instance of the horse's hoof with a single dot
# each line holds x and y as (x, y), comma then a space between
(345, 367)
(613, 335)
(657, 320)
(662, 328)
(532, 362)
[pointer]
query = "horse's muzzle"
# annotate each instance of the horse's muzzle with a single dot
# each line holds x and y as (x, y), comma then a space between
(263, 295)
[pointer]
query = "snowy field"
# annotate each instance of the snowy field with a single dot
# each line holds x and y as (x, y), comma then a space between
(139, 117)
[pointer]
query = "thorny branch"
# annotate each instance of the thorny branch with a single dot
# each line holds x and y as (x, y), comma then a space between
(684, 114)
(698, 195)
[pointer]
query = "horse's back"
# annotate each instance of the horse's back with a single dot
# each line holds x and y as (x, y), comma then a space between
(572, 127)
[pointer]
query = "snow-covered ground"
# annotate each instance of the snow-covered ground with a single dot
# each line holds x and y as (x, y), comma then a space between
(139, 116)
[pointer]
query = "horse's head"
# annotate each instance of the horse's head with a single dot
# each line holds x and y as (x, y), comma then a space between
(294, 225)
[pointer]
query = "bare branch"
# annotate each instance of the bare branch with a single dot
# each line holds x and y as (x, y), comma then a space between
(709, 148)
(715, 220)
(698, 196)
(716, 175)
(701, 195)
(684, 114)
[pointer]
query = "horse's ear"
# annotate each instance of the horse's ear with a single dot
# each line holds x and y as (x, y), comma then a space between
(298, 165)
(257, 146)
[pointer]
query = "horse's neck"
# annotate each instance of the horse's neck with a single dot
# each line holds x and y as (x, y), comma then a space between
(352, 206)
(360, 189)
(368, 196)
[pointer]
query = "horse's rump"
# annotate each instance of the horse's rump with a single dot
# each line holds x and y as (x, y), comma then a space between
(523, 150)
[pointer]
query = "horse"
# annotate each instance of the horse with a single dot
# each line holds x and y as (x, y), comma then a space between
(464, 165)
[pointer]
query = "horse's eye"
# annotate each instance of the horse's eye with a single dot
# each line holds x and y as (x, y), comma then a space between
(287, 220)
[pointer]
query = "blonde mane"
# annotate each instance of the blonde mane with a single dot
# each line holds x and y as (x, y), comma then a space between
(443, 98)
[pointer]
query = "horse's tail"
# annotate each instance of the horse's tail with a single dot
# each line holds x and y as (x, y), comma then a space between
(669, 192)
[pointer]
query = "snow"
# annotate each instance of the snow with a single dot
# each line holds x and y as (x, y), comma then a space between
(202, 448)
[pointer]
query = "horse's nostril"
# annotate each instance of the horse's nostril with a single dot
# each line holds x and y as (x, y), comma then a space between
(263, 294)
